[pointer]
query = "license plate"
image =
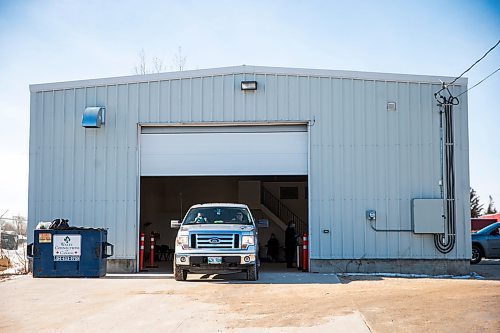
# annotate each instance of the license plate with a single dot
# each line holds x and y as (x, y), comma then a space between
(215, 260)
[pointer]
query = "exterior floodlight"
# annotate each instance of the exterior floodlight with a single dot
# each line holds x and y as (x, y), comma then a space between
(93, 117)
(248, 85)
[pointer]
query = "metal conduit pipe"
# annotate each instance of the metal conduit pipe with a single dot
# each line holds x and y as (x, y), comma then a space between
(446, 242)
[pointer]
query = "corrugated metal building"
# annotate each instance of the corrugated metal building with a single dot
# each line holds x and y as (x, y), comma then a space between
(366, 142)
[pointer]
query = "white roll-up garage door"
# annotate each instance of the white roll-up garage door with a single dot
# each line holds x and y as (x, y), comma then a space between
(218, 151)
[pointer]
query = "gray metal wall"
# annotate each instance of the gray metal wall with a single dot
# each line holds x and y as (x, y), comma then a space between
(361, 156)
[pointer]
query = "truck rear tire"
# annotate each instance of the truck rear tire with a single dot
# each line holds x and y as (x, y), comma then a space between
(253, 273)
(179, 273)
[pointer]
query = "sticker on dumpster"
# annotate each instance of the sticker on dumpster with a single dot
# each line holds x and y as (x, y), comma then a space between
(67, 246)
(66, 258)
(45, 237)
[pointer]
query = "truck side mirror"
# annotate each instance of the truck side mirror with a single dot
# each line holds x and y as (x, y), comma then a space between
(175, 224)
(263, 223)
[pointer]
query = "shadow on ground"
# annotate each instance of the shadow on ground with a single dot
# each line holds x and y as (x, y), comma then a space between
(489, 269)
(279, 274)
(269, 274)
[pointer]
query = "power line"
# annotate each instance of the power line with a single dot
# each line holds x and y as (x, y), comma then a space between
(445, 85)
(474, 64)
(498, 69)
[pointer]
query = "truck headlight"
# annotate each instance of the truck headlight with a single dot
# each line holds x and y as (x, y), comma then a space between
(246, 241)
(182, 241)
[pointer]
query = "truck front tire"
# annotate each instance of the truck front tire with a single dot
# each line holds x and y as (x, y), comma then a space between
(253, 273)
(179, 273)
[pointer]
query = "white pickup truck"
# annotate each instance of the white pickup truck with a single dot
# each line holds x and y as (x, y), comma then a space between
(217, 238)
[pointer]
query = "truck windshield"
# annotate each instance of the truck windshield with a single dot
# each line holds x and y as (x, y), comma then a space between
(218, 215)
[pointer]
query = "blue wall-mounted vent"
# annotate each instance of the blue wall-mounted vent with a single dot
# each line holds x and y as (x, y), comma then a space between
(93, 117)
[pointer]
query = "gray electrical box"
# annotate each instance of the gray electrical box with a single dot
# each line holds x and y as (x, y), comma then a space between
(428, 216)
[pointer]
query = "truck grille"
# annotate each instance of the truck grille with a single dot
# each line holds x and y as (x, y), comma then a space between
(215, 241)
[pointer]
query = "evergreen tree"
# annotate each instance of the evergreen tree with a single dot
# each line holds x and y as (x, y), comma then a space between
(491, 207)
(475, 207)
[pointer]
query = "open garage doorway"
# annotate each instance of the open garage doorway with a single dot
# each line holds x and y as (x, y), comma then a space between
(279, 199)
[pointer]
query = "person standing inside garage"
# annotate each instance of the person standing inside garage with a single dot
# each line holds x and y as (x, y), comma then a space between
(290, 243)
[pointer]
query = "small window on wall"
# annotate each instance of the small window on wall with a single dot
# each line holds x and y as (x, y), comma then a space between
(289, 192)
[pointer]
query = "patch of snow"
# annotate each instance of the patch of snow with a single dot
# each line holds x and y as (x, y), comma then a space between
(473, 275)
(18, 260)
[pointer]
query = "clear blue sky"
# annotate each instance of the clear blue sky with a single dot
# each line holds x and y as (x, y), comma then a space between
(47, 41)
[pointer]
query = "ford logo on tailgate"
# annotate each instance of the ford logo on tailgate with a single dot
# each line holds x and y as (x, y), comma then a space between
(214, 241)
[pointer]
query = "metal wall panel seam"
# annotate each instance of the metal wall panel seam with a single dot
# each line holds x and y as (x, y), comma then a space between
(399, 158)
(73, 153)
(386, 178)
(309, 200)
(255, 97)
(61, 201)
(105, 161)
(331, 174)
(374, 170)
(212, 113)
(95, 177)
(159, 94)
(50, 157)
(276, 94)
(202, 99)
(138, 196)
(233, 98)
(420, 153)
(191, 99)
(169, 101)
(124, 194)
(364, 154)
(342, 180)
(466, 243)
(352, 181)
(266, 98)
(405, 173)
(409, 172)
(321, 162)
(323, 99)
(115, 160)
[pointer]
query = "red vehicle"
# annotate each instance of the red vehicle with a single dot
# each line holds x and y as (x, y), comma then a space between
(484, 221)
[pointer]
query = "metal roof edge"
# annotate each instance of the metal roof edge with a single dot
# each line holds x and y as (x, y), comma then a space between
(244, 69)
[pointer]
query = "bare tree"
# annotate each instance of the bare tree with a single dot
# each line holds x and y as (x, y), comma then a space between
(20, 224)
(140, 67)
(157, 65)
(179, 61)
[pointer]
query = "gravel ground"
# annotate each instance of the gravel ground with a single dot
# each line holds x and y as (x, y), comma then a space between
(278, 302)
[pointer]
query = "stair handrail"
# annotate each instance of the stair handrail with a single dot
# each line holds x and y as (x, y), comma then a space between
(279, 209)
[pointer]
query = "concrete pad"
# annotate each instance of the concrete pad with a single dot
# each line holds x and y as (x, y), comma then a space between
(352, 323)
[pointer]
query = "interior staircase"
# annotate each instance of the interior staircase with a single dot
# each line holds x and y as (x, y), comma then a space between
(279, 213)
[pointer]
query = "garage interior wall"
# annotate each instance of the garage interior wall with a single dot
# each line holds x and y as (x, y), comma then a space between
(362, 156)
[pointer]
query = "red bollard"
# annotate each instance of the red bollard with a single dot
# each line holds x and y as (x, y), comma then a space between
(152, 253)
(305, 253)
(141, 253)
